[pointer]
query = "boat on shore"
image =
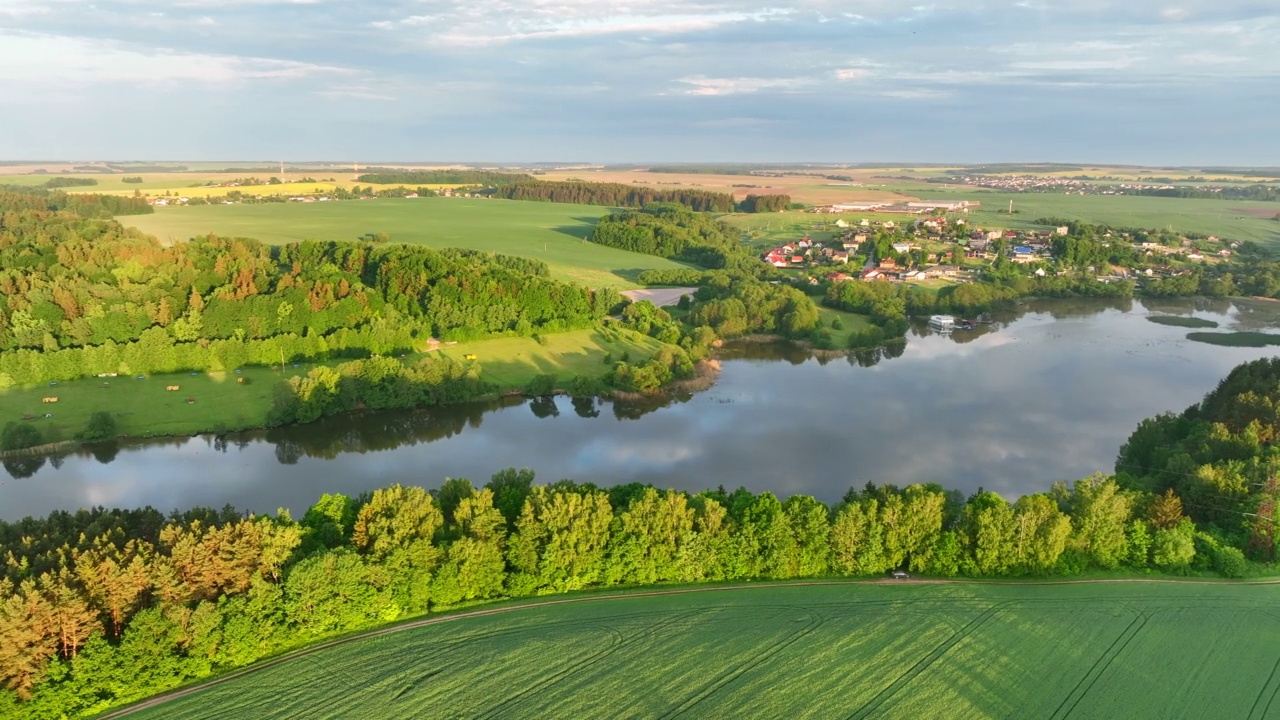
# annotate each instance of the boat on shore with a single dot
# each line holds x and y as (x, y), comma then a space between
(942, 322)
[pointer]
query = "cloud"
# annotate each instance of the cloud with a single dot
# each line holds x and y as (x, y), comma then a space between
(703, 85)
(916, 94)
(852, 73)
(37, 58)
(488, 32)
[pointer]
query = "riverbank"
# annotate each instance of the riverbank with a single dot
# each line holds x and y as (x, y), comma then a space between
(187, 404)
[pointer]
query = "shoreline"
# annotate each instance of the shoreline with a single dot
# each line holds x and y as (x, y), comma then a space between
(705, 374)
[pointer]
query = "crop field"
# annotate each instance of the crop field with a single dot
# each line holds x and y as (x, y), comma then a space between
(552, 232)
(145, 408)
(801, 188)
(1132, 650)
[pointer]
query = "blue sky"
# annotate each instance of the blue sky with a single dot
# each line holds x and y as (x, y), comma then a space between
(1133, 81)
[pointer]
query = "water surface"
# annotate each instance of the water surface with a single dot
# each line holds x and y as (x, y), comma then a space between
(1047, 393)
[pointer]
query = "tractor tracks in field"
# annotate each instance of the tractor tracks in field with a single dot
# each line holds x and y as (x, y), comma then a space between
(923, 664)
(1099, 667)
(619, 642)
(725, 678)
(438, 619)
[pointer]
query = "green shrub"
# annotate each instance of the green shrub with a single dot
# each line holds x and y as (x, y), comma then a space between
(101, 426)
(541, 385)
(1229, 562)
(19, 435)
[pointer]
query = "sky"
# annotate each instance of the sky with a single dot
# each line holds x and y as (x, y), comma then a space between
(1160, 82)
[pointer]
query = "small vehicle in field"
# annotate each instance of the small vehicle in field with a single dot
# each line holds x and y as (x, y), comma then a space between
(900, 575)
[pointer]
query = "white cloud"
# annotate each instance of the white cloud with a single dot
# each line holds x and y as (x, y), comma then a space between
(916, 94)
(37, 58)
(852, 73)
(551, 28)
(703, 85)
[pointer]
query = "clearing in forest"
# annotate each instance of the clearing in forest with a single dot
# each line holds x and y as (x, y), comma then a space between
(1133, 650)
(552, 232)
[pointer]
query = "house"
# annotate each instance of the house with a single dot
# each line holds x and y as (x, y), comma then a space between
(914, 275)
(901, 247)
(841, 224)
(1061, 230)
(839, 277)
(942, 271)
(840, 256)
(1022, 253)
(888, 263)
(873, 274)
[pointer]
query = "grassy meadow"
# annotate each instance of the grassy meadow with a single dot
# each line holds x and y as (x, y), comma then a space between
(845, 650)
(144, 408)
(551, 232)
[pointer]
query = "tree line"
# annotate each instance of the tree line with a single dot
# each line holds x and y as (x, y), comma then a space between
(764, 203)
(611, 194)
(443, 177)
(101, 607)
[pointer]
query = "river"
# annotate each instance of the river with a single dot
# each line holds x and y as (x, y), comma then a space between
(1046, 393)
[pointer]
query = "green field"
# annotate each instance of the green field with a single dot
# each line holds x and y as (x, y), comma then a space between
(1231, 219)
(144, 408)
(852, 323)
(1121, 650)
(551, 232)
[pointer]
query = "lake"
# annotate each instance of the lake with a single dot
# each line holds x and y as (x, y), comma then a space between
(1046, 393)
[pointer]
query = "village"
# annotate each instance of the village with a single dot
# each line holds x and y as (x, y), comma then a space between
(942, 248)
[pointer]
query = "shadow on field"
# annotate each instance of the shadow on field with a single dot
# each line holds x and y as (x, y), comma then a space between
(581, 230)
(631, 275)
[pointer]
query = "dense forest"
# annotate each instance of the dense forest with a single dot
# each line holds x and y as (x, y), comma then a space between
(764, 203)
(82, 296)
(1221, 456)
(1252, 191)
(106, 606)
(443, 177)
(671, 231)
(611, 194)
(19, 200)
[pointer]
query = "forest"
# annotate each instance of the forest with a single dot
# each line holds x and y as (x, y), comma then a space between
(443, 177)
(611, 194)
(1220, 456)
(102, 607)
(81, 296)
(764, 203)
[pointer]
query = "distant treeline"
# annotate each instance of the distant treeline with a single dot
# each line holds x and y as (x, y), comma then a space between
(613, 195)
(64, 182)
(764, 203)
(1020, 168)
(1253, 191)
(444, 177)
(85, 205)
